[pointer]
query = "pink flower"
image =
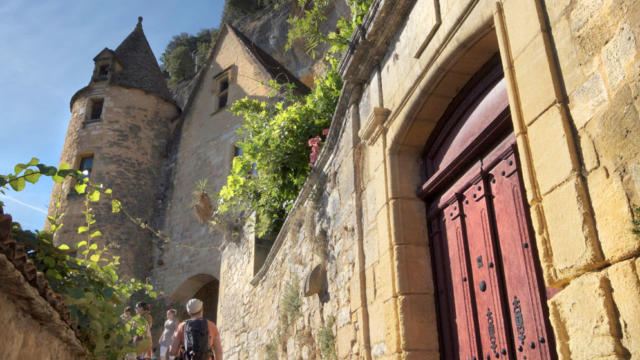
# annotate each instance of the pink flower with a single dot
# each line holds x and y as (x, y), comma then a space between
(315, 141)
(325, 132)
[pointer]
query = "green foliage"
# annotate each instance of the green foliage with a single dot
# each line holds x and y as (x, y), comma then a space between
(180, 65)
(271, 350)
(85, 275)
(184, 51)
(235, 9)
(291, 303)
(266, 178)
(86, 278)
(327, 340)
(307, 26)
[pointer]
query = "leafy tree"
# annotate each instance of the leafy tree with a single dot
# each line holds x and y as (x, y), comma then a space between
(180, 65)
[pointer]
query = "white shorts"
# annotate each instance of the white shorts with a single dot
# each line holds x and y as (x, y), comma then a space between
(164, 350)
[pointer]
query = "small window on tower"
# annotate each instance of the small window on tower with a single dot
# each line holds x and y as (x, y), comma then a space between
(103, 72)
(96, 109)
(86, 165)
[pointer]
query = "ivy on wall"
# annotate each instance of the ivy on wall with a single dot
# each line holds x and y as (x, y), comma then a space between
(266, 178)
(85, 275)
(308, 25)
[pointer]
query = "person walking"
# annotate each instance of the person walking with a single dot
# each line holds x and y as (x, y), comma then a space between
(126, 317)
(166, 339)
(142, 324)
(198, 337)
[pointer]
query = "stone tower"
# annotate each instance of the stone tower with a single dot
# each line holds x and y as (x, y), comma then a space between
(118, 132)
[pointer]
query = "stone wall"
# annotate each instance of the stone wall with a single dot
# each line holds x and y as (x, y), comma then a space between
(35, 321)
(320, 231)
(571, 70)
(596, 47)
(205, 152)
(129, 146)
(26, 338)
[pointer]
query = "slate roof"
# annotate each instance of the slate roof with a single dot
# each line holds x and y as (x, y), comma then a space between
(140, 68)
(275, 69)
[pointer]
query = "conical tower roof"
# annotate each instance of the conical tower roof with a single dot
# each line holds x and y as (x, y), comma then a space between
(139, 66)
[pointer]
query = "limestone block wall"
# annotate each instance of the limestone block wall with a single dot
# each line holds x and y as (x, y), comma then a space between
(205, 152)
(589, 166)
(571, 69)
(129, 147)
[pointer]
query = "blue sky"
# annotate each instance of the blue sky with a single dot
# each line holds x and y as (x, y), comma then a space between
(46, 55)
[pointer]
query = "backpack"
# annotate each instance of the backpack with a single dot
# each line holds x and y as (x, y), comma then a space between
(196, 340)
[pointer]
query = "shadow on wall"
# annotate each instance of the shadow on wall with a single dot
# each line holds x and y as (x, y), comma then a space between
(204, 287)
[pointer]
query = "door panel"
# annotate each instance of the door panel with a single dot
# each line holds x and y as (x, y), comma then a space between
(486, 286)
(489, 292)
(449, 339)
(463, 309)
(518, 262)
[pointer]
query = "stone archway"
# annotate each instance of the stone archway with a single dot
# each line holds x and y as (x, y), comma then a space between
(201, 286)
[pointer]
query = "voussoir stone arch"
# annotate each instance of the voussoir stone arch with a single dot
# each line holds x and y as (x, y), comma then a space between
(201, 286)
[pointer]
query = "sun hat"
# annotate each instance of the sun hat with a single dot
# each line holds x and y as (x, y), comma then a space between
(194, 306)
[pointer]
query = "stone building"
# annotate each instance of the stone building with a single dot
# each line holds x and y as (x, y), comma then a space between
(119, 134)
(473, 198)
(236, 68)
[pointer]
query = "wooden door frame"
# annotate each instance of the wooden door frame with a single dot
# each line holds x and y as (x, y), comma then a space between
(492, 141)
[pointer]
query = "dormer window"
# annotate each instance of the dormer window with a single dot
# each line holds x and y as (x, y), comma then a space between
(96, 109)
(223, 94)
(222, 89)
(103, 72)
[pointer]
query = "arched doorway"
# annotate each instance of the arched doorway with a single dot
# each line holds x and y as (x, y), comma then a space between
(489, 292)
(204, 287)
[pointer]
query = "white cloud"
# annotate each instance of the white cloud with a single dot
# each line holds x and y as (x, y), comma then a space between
(32, 207)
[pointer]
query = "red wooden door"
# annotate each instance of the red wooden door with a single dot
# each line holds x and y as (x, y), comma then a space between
(489, 293)
(490, 299)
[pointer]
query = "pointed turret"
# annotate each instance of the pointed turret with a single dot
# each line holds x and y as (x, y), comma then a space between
(139, 66)
(118, 133)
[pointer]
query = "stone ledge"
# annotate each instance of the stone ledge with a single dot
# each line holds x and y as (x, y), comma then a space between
(374, 125)
(18, 290)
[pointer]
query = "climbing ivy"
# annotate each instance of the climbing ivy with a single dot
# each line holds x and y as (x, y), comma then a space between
(307, 25)
(266, 178)
(86, 274)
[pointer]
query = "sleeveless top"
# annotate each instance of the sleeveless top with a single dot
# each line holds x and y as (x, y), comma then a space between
(168, 332)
